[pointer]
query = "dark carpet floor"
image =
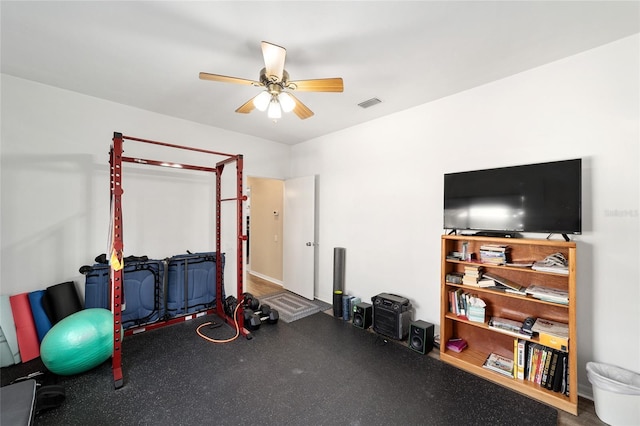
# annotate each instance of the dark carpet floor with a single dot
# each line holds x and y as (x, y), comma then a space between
(315, 371)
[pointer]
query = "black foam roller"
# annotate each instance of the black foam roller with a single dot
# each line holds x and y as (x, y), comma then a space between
(338, 279)
(338, 268)
(60, 301)
(337, 304)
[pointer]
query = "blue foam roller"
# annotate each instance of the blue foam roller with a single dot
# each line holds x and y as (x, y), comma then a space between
(43, 323)
(79, 342)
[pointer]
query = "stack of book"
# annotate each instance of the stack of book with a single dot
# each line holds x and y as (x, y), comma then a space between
(472, 275)
(548, 294)
(495, 254)
(542, 365)
(552, 333)
(499, 364)
(456, 344)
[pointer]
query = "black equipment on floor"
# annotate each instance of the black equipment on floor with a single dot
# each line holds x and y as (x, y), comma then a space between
(362, 315)
(254, 317)
(421, 336)
(391, 315)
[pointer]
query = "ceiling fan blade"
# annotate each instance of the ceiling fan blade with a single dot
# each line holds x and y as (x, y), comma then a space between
(248, 106)
(226, 79)
(274, 57)
(318, 85)
(301, 110)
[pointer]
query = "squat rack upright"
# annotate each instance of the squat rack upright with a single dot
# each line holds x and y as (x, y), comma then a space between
(116, 159)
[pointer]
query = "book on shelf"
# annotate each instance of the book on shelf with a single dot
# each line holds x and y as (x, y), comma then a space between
(552, 370)
(506, 283)
(554, 328)
(485, 282)
(548, 294)
(473, 269)
(562, 382)
(499, 364)
(470, 281)
(520, 264)
(456, 344)
(547, 368)
(553, 334)
(544, 266)
(520, 360)
(541, 362)
(499, 248)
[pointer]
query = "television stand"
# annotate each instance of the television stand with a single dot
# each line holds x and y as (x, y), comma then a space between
(498, 234)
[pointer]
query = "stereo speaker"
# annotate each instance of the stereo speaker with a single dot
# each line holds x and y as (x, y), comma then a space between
(362, 315)
(421, 336)
(391, 315)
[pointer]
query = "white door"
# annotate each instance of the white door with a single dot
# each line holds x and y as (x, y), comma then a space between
(299, 235)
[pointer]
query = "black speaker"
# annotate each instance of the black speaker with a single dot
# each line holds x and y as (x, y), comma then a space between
(362, 315)
(391, 315)
(421, 336)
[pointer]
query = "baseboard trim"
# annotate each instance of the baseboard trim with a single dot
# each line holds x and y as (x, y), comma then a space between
(266, 278)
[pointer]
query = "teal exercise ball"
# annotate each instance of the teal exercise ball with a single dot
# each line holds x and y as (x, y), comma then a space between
(79, 342)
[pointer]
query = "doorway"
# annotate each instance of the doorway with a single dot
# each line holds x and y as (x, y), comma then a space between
(282, 245)
(264, 220)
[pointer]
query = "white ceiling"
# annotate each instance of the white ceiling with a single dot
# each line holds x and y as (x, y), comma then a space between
(406, 53)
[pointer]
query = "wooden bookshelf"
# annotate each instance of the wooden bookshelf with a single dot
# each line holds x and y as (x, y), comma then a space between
(483, 340)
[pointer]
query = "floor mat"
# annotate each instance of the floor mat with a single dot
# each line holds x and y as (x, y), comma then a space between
(292, 307)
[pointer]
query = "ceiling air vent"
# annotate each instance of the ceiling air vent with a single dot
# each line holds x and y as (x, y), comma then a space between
(369, 103)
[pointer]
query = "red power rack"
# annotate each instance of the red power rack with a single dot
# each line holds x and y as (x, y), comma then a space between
(116, 277)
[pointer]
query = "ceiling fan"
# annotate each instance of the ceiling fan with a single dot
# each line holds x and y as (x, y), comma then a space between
(276, 96)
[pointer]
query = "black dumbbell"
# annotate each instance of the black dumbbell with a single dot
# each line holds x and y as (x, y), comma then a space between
(264, 310)
(250, 302)
(251, 320)
(273, 317)
(268, 315)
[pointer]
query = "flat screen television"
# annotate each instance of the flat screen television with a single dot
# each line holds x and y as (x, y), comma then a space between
(538, 198)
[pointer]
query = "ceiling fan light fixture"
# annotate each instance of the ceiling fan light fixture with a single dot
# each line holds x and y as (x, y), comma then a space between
(286, 102)
(274, 112)
(274, 80)
(261, 102)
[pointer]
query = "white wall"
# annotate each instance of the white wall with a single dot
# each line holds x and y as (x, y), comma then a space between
(55, 184)
(381, 187)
